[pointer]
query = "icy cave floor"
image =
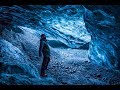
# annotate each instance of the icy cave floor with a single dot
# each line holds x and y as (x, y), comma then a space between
(72, 67)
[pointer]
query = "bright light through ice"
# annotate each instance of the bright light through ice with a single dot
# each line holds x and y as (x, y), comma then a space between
(74, 28)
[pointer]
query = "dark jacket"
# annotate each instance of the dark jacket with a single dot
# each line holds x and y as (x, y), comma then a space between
(44, 48)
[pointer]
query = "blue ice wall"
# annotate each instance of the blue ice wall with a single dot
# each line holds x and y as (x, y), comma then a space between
(102, 22)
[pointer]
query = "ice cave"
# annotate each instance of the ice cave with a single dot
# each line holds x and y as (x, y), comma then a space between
(84, 44)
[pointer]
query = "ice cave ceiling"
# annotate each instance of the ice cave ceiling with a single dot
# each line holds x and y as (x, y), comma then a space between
(63, 23)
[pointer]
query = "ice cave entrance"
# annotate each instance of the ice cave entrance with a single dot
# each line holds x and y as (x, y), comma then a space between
(67, 29)
(66, 25)
(75, 36)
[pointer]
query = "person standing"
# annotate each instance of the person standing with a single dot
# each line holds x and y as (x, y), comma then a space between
(44, 51)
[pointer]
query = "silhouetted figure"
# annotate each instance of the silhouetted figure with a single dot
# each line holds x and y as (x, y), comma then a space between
(45, 51)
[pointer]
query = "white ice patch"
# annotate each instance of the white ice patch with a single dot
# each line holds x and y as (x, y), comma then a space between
(75, 28)
(26, 29)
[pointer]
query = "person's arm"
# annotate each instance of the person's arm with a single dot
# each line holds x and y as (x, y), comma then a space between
(40, 48)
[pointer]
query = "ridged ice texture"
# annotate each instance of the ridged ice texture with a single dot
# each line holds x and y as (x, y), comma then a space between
(103, 23)
(63, 23)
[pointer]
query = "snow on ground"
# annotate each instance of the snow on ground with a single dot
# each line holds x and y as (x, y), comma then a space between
(72, 67)
(72, 54)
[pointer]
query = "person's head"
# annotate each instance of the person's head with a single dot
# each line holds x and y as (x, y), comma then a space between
(43, 36)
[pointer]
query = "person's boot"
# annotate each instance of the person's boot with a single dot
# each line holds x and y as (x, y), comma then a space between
(43, 74)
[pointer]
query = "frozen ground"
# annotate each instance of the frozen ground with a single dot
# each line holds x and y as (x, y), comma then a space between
(72, 67)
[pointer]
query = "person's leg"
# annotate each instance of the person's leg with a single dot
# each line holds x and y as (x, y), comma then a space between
(43, 66)
(47, 62)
